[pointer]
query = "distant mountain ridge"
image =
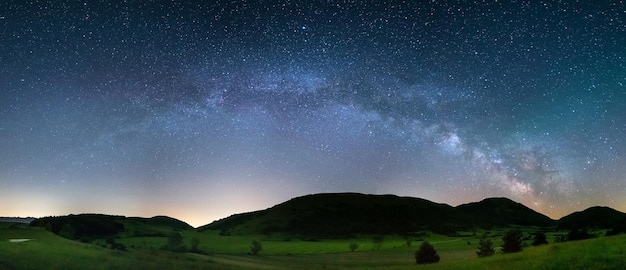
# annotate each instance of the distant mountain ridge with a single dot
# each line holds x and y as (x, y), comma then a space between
(503, 211)
(17, 219)
(340, 215)
(594, 217)
(345, 214)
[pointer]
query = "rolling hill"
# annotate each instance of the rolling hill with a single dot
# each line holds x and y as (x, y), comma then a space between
(92, 226)
(346, 214)
(500, 212)
(341, 214)
(598, 216)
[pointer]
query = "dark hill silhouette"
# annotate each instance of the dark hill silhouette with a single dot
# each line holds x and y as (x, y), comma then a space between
(345, 214)
(83, 226)
(598, 216)
(164, 222)
(92, 226)
(340, 214)
(500, 212)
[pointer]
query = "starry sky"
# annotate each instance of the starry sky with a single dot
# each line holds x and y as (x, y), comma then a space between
(202, 110)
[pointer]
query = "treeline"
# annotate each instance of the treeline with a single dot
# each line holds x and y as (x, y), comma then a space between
(81, 227)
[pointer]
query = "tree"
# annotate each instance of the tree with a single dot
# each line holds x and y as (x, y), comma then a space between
(377, 241)
(114, 245)
(68, 231)
(426, 254)
(353, 246)
(578, 234)
(118, 246)
(194, 244)
(408, 241)
(618, 228)
(485, 247)
(512, 241)
(255, 247)
(175, 242)
(539, 238)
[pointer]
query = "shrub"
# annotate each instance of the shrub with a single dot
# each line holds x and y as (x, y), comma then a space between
(377, 241)
(426, 254)
(175, 242)
(512, 241)
(353, 246)
(118, 246)
(539, 239)
(194, 244)
(618, 228)
(485, 247)
(578, 234)
(408, 241)
(68, 231)
(255, 247)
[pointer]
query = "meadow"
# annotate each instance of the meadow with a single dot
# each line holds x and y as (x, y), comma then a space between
(46, 250)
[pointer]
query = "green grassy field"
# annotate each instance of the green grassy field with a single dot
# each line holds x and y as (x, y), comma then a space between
(49, 251)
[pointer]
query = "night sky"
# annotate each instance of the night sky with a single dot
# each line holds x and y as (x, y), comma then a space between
(203, 110)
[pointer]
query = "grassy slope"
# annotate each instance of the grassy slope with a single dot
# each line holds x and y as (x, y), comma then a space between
(598, 253)
(48, 251)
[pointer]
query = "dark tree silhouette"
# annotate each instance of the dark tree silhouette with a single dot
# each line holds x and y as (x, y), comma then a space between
(114, 245)
(512, 241)
(485, 247)
(539, 238)
(118, 246)
(194, 245)
(578, 234)
(255, 247)
(353, 246)
(175, 242)
(68, 231)
(408, 241)
(377, 241)
(618, 228)
(426, 254)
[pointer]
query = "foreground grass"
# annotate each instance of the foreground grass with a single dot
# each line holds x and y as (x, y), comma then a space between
(598, 253)
(49, 251)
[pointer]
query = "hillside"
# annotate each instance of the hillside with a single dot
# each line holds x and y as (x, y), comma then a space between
(500, 212)
(345, 214)
(598, 216)
(342, 214)
(92, 226)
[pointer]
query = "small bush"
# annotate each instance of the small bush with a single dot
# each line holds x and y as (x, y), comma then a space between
(255, 247)
(426, 254)
(175, 242)
(353, 247)
(578, 234)
(512, 241)
(539, 239)
(485, 247)
(408, 242)
(118, 246)
(377, 242)
(194, 245)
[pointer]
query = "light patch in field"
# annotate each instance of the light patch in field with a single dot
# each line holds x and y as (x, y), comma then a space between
(19, 240)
